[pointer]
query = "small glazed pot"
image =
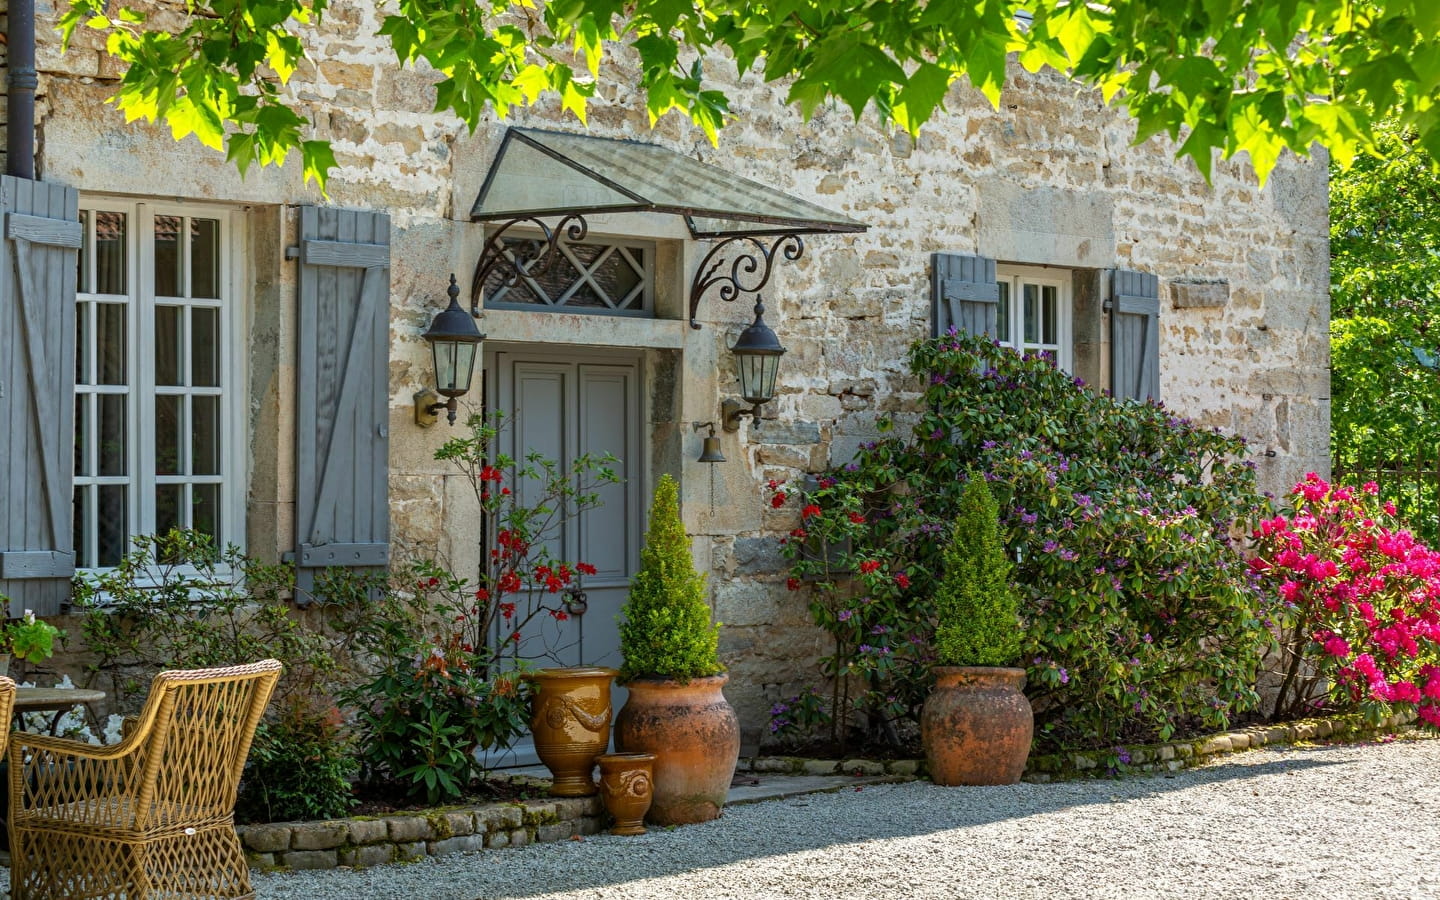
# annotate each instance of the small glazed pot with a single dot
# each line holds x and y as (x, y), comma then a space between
(695, 736)
(627, 787)
(976, 726)
(571, 725)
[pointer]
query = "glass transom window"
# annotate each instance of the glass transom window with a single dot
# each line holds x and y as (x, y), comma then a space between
(152, 383)
(1035, 313)
(607, 277)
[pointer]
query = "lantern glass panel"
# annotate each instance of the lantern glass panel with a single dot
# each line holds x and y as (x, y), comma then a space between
(454, 363)
(757, 376)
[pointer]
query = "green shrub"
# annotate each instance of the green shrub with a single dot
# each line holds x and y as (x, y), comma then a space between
(979, 623)
(666, 632)
(300, 767)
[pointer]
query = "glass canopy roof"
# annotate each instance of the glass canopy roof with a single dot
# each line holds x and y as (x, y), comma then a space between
(541, 173)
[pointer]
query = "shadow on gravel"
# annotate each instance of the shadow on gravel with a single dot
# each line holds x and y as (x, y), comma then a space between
(602, 864)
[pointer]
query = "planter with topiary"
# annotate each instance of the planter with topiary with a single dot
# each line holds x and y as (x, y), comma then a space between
(976, 725)
(676, 709)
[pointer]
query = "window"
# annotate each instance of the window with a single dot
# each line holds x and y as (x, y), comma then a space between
(611, 277)
(155, 393)
(1035, 311)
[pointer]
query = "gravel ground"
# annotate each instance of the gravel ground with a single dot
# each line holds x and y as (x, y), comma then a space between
(1332, 822)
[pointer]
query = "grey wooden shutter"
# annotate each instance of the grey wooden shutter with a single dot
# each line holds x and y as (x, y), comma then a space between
(342, 484)
(963, 293)
(1135, 335)
(37, 394)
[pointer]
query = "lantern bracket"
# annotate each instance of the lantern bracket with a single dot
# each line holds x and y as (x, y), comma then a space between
(528, 257)
(748, 272)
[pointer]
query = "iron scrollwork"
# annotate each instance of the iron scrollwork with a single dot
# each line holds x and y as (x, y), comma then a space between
(521, 259)
(748, 272)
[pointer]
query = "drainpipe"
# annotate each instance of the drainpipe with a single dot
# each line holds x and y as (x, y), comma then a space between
(21, 82)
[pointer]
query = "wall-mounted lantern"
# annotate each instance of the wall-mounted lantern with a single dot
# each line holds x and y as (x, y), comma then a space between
(757, 355)
(454, 342)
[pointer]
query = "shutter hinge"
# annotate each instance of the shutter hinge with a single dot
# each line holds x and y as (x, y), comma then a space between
(292, 252)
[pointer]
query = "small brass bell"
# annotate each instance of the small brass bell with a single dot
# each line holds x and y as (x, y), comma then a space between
(710, 448)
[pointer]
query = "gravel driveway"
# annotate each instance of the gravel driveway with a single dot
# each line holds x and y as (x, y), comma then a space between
(1358, 821)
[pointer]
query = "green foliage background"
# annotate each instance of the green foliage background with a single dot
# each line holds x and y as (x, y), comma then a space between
(666, 631)
(1385, 319)
(977, 608)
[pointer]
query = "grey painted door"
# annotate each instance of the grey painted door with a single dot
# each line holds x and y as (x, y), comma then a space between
(563, 405)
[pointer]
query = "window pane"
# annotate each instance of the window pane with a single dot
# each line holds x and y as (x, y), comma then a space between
(169, 355)
(83, 350)
(167, 256)
(84, 524)
(110, 342)
(167, 507)
(206, 510)
(204, 348)
(205, 429)
(1002, 314)
(205, 258)
(168, 448)
(82, 283)
(112, 434)
(1050, 302)
(110, 269)
(1032, 314)
(112, 524)
(82, 435)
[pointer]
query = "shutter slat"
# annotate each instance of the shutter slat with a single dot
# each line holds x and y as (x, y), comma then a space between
(343, 514)
(1135, 335)
(963, 294)
(37, 393)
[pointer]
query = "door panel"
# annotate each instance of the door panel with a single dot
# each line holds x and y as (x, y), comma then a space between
(589, 403)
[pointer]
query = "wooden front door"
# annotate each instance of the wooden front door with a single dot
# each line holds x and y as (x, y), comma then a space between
(563, 404)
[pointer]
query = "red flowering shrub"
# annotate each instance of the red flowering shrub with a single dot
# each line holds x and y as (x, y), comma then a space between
(1362, 597)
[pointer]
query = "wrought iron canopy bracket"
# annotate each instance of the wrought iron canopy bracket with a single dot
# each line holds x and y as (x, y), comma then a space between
(536, 255)
(747, 273)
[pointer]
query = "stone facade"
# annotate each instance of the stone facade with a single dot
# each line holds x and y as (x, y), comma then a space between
(1049, 178)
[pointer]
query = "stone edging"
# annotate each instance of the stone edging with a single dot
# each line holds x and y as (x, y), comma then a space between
(1171, 756)
(401, 837)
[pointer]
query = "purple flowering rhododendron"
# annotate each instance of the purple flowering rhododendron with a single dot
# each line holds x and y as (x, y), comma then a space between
(1363, 597)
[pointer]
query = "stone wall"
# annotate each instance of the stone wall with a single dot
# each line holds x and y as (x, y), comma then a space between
(1048, 178)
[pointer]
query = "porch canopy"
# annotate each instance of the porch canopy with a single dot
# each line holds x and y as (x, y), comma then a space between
(546, 173)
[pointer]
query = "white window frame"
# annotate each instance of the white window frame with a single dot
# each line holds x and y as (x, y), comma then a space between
(1015, 278)
(141, 302)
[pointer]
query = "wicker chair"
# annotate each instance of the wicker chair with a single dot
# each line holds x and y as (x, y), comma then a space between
(151, 816)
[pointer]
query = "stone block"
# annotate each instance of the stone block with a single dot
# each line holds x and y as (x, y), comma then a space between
(588, 825)
(460, 823)
(1184, 751)
(519, 837)
(772, 764)
(372, 855)
(538, 812)
(308, 859)
(1239, 741)
(1325, 728)
(757, 556)
(863, 767)
(410, 850)
(499, 818)
(497, 839)
(319, 835)
(368, 831)
(260, 860)
(776, 432)
(818, 767)
(460, 844)
(573, 808)
(904, 767)
(559, 831)
(1199, 294)
(1083, 761)
(409, 828)
(267, 838)
(1165, 752)
(1219, 744)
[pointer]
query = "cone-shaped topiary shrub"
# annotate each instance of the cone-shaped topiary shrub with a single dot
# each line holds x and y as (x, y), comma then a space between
(977, 608)
(667, 632)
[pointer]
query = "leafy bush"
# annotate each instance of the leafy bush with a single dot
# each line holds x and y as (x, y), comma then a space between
(1361, 599)
(666, 631)
(1139, 613)
(301, 766)
(979, 621)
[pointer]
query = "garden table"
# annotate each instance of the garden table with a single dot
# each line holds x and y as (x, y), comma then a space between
(55, 700)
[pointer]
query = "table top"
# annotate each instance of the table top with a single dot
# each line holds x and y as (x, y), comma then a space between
(43, 699)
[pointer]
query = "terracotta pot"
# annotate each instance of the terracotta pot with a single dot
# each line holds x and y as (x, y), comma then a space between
(976, 725)
(695, 736)
(627, 787)
(571, 725)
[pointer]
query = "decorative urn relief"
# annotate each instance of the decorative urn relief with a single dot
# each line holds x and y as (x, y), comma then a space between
(627, 787)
